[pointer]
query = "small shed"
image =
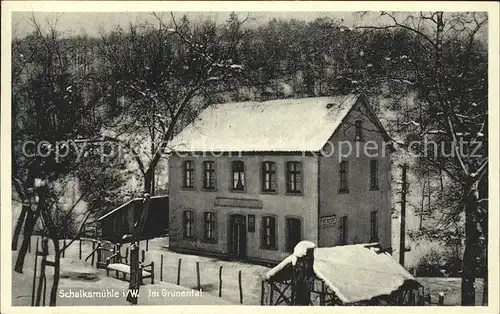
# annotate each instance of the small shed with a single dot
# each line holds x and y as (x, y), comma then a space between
(120, 221)
(361, 274)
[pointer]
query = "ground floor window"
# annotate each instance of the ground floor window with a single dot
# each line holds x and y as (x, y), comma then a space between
(268, 233)
(209, 223)
(188, 222)
(294, 233)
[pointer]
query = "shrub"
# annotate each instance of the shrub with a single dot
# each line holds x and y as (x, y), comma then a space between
(430, 264)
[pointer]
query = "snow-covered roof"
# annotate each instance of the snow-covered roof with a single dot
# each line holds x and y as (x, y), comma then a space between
(354, 272)
(285, 125)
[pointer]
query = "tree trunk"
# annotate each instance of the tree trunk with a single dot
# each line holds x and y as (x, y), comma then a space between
(484, 227)
(57, 271)
(135, 276)
(26, 197)
(41, 278)
(485, 278)
(471, 247)
(483, 221)
(29, 226)
(19, 224)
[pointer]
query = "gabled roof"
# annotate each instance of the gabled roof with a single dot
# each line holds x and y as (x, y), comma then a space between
(355, 273)
(285, 125)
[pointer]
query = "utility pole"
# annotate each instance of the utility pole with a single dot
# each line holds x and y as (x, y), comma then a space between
(403, 216)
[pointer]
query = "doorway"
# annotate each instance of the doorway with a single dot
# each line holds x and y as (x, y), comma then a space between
(238, 236)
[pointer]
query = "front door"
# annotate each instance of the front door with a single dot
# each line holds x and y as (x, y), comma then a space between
(238, 236)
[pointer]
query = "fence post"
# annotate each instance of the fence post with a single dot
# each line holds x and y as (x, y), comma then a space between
(322, 295)
(99, 254)
(143, 257)
(198, 275)
(152, 273)
(64, 250)
(126, 255)
(271, 292)
(441, 298)
(147, 244)
(93, 248)
(161, 268)
(220, 281)
(34, 275)
(262, 292)
(179, 272)
(241, 289)
(44, 289)
(80, 250)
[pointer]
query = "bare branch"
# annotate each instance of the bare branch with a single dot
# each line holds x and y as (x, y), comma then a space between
(82, 224)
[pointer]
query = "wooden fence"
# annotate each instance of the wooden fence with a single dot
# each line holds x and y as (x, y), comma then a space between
(95, 258)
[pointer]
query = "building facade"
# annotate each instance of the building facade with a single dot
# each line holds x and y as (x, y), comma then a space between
(251, 180)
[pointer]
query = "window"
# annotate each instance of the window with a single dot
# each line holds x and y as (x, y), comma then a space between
(209, 175)
(373, 226)
(268, 233)
(188, 222)
(188, 174)
(251, 223)
(374, 174)
(293, 182)
(209, 222)
(343, 187)
(343, 231)
(238, 171)
(268, 176)
(294, 233)
(359, 130)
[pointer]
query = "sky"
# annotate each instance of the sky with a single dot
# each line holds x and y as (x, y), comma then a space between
(92, 23)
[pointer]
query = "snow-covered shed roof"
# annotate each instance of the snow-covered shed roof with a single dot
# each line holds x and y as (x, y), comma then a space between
(284, 125)
(355, 273)
(111, 212)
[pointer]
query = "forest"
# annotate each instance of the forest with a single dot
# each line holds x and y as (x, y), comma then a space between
(425, 73)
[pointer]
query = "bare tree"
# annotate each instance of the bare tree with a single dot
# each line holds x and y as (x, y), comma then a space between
(442, 58)
(160, 77)
(50, 108)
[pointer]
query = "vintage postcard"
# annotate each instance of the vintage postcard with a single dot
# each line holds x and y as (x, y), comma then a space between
(251, 154)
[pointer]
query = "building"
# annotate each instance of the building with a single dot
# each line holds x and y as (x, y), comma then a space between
(120, 221)
(358, 274)
(252, 179)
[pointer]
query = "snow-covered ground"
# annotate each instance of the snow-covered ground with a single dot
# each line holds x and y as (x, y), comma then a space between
(451, 288)
(251, 275)
(209, 276)
(78, 274)
(98, 289)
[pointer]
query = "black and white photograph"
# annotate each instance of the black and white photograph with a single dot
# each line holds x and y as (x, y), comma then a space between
(215, 153)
